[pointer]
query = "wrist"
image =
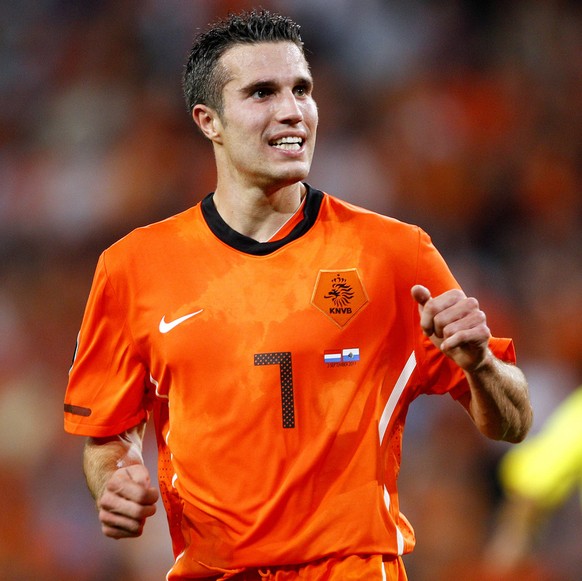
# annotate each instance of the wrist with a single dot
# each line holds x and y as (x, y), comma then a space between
(486, 365)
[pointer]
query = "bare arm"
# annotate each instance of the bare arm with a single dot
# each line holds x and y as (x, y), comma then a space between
(513, 540)
(498, 401)
(119, 482)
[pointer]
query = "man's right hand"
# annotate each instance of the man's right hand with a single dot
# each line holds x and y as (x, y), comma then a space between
(128, 499)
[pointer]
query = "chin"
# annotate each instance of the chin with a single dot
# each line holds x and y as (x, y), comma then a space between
(282, 175)
(297, 174)
(283, 182)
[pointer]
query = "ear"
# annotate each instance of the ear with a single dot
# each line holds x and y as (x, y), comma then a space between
(208, 121)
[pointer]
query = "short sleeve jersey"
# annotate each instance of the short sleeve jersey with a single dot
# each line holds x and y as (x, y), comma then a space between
(279, 375)
(548, 466)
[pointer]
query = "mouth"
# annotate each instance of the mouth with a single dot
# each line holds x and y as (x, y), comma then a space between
(288, 143)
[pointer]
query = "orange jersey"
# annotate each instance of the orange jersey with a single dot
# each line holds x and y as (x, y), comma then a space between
(279, 375)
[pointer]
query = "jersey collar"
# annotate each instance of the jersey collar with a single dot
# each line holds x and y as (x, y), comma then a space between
(245, 244)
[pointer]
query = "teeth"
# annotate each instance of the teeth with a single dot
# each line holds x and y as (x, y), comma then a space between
(290, 143)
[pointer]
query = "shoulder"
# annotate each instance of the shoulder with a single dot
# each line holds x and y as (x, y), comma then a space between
(161, 229)
(387, 228)
(154, 240)
(565, 419)
(147, 251)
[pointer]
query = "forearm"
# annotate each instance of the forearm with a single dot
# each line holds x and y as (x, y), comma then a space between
(499, 401)
(519, 521)
(103, 456)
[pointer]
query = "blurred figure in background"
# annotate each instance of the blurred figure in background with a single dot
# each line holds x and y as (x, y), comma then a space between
(537, 478)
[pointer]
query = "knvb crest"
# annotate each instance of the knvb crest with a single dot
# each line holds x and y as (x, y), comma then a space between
(339, 294)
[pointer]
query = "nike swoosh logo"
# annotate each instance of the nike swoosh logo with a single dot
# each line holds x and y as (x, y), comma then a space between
(165, 326)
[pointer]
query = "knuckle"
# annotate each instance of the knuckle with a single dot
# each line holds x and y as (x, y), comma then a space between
(141, 495)
(104, 515)
(106, 501)
(439, 319)
(473, 303)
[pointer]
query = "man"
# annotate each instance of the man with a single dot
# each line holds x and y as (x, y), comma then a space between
(278, 336)
(537, 478)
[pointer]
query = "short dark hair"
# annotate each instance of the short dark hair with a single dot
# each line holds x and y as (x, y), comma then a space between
(204, 78)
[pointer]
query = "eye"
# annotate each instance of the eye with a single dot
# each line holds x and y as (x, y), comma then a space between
(262, 93)
(301, 91)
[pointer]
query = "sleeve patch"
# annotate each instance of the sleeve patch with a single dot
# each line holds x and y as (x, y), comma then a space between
(77, 410)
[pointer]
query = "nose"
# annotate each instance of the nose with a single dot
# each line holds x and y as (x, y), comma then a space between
(289, 110)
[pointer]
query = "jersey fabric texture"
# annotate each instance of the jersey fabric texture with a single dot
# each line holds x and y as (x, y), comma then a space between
(548, 466)
(351, 568)
(278, 375)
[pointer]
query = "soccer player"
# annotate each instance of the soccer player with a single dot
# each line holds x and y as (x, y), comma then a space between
(277, 335)
(537, 478)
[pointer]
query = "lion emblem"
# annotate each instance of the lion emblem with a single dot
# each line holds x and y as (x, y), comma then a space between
(341, 292)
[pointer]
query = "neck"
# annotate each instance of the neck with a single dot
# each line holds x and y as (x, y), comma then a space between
(256, 213)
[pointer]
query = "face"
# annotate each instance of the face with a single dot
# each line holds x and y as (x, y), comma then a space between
(265, 135)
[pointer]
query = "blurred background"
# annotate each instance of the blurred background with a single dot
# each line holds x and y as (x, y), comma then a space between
(462, 117)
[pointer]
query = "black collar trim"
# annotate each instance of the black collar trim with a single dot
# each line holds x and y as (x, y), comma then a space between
(243, 243)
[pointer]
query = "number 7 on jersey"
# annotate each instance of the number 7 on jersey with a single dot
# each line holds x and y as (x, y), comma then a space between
(283, 360)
